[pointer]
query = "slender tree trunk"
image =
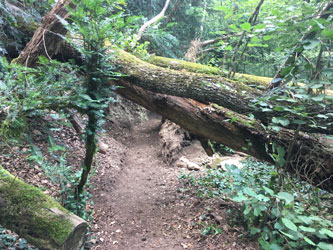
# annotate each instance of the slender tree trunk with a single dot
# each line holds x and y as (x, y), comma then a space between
(252, 19)
(299, 48)
(152, 21)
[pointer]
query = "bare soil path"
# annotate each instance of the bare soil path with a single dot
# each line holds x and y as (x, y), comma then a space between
(144, 212)
(139, 207)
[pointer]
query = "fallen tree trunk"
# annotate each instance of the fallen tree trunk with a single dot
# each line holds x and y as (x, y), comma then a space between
(38, 218)
(310, 160)
(198, 85)
(234, 95)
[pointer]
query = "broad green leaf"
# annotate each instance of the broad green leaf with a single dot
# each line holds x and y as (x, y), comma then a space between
(245, 26)
(268, 190)
(234, 27)
(309, 241)
(259, 26)
(264, 244)
(269, 37)
(325, 246)
(311, 44)
(279, 108)
(257, 211)
(247, 210)
(249, 192)
(293, 237)
(328, 33)
(275, 247)
(318, 98)
(299, 122)
(289, 224)
(307, 229)
(255, 39)
(326, 231)
(285, 196)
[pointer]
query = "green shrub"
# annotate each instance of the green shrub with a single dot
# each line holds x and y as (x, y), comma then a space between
(290, 217)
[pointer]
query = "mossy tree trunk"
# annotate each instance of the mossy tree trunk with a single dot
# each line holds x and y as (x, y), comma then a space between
(37, 217)
(310, 160)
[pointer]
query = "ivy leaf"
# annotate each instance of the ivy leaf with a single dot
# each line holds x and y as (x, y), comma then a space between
(309, 241)
(285, 196)
(289, 224)
(249, 192)
(245, 26)
(326, 231)
(328, 33)
(307, 229)
(325, 246)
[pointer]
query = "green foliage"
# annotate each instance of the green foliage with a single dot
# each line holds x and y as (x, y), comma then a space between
(25, 92)
(294, 217)
(8, 241)
(62, 174)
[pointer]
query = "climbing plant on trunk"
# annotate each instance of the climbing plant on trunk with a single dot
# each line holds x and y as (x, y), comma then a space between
(91, 27)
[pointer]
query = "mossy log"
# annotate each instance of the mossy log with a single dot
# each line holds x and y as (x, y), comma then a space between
(38, 218)
(175, 77)
(190, 80)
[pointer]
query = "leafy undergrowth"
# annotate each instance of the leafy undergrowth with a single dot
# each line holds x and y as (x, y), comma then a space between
(11, 241)
(292, 215)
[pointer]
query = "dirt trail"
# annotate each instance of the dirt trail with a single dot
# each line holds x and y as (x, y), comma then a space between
(142, 212)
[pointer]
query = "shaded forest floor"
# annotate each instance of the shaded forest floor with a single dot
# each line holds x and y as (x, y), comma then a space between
(137, 195)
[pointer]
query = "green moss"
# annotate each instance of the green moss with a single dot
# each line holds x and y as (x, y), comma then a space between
(256, 80)
(38, 223)
(235, 117)
(183, 65)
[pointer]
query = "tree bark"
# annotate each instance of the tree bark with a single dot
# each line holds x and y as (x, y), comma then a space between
(234, 95)
(47, 38)
(38, 218)
(310, 160)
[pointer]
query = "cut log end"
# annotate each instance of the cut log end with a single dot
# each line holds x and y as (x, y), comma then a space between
(36, 217)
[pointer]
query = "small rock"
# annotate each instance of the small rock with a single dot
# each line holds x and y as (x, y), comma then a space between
(183, 162)
(193, 166)
(37, 132)
(102, 147)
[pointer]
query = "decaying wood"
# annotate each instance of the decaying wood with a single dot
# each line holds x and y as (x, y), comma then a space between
(310, 160)
(47, 38)
(38, 218)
